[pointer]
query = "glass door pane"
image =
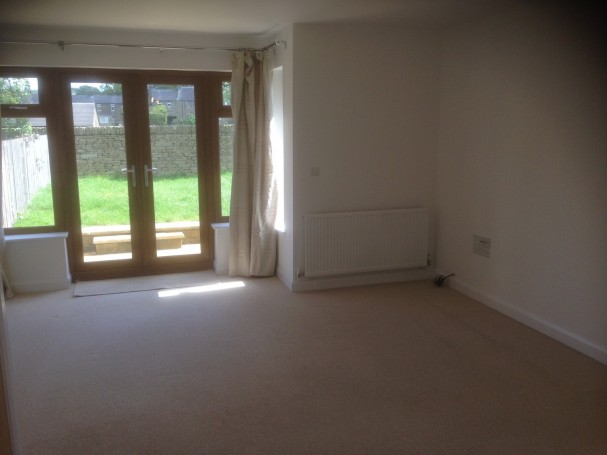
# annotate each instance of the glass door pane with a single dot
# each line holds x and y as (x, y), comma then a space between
(27, 197)
(104, 175)
(173, 172)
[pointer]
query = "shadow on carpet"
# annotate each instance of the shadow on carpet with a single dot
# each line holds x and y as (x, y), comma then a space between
(144, 283)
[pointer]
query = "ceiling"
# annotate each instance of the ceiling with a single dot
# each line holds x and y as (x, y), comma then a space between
(237, 16)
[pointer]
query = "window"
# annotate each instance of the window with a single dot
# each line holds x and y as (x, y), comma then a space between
(33, 132)
(28, 201)
(226, 91)
(19, 90)
(225, 124)
(276, 136)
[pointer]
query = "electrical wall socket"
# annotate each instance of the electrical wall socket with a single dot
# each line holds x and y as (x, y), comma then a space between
(481, 245)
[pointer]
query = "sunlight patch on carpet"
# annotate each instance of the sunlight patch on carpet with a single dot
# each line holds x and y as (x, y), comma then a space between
(199, 289)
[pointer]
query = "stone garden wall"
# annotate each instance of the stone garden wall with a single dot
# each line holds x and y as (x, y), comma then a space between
(101, 150)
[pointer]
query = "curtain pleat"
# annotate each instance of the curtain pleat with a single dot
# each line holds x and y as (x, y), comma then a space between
(8, 290)
(254, 193)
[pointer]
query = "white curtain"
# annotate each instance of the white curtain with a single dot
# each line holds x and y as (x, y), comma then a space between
(8, 290)
(254, 196)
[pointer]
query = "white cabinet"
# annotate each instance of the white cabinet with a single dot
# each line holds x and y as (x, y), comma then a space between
(222, 247)
(37, 262)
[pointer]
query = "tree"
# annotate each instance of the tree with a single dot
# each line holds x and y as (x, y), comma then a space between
(111, 89)
(158, 114)
(87, 90)
(189, 119)
(226, 91)
(15, 91)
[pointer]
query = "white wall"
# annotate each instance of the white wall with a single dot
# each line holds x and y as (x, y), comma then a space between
(284, 59)
(365, 112)
(523, 160)
(519, 155)
(8, 429)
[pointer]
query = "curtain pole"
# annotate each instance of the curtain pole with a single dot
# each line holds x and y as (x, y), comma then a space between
(62, 45)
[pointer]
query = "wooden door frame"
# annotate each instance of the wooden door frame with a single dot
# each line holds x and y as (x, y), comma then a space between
(208, 108)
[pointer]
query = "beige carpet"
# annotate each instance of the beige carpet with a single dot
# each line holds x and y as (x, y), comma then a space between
(144, 283)
(391, 369)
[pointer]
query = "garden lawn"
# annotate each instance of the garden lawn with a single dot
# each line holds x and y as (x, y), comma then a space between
(104, 201)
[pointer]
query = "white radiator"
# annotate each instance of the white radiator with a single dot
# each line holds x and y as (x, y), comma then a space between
(360, 242)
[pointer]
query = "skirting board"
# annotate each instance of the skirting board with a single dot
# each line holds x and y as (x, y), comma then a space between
(553, 331)
(318, 284)
(25, 287)
(284, 280)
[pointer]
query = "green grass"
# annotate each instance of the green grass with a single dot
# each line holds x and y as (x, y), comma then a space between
(104, 201)
(40, 211)
(176, 199)
(226, 191)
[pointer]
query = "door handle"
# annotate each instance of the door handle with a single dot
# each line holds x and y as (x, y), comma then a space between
(133, 174)
(146, 172)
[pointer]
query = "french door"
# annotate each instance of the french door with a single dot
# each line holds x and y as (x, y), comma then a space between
(144, 170)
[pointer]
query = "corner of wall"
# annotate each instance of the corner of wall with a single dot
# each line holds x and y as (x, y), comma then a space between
(521, 160)
(554, 331)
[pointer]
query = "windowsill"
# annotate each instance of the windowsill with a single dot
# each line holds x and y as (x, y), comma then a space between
(46, 235)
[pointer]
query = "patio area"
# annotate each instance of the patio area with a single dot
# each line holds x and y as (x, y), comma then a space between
(108, 243)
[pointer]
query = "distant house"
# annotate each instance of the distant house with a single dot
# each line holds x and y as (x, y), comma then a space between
(83, 99)
(162, 95)
(185, 101)
(178, 101)
(109, 109)
(85, 114)
(167, 97)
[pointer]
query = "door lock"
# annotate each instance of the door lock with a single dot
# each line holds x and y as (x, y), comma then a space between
(133, 174)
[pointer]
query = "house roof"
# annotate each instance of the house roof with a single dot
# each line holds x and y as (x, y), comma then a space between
(163, 94)
(186, 93)
(82, 99)
(98, 99)
(107, 99)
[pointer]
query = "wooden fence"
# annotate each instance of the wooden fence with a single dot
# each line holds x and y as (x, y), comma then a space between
(25, 170)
